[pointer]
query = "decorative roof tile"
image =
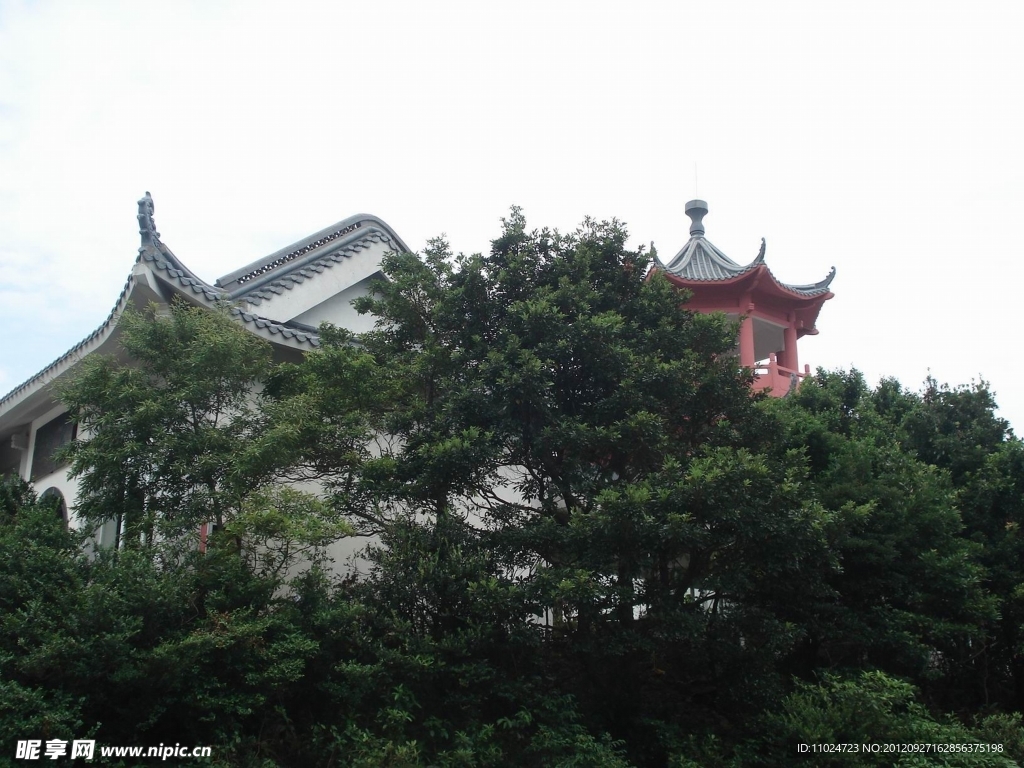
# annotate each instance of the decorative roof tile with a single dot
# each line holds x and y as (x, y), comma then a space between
(288, 267)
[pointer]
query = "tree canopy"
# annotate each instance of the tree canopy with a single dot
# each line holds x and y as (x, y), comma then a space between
(593, 543)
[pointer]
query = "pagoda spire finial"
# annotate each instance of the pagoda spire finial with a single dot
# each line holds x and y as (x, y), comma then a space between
(697, 210)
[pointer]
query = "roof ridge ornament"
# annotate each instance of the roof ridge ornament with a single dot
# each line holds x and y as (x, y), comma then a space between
(760, 255)
(696, 210)
(147, 226)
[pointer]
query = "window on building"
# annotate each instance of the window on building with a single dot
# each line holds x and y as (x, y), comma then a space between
(49, 437)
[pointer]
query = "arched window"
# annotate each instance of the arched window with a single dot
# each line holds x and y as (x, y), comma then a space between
(56, 498)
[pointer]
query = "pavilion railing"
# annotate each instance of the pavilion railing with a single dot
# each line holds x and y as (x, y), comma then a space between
(781, 380)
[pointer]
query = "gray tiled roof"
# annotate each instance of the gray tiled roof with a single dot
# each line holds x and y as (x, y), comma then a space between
(80, 348)
(161, 257)
(293, 330)
(701, 261)
(289, 278)
(284, 269)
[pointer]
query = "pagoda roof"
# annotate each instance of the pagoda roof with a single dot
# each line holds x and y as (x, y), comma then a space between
(700, 261)
(703, 262)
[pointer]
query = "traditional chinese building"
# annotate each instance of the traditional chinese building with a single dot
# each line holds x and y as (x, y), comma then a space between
(282, 298)
(285, 296)
(773, 315)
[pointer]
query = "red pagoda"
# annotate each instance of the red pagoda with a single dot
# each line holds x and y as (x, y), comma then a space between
(773, 314)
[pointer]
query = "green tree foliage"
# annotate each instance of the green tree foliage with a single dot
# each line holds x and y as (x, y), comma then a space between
(928, 491)
(596, 546)
(552, 403)
(322, 421)
(162, 433)
(868, 710)
(957, 430)
(36, 576)
(908, 592)
(128, 652)
(172, 435)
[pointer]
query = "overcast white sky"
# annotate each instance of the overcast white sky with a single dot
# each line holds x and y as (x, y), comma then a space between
(880, 137)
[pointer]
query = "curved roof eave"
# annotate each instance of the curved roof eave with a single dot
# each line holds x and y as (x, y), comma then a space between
(812, 291)
(821, 286)
(156, 258)
(183, 281)
(162, 263)
(73, 355)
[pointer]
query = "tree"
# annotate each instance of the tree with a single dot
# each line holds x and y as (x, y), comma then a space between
(176, 436)
(957, 430)
(597, 545)
(553, 406)
(323, 421)
(908, 594)
(872, 710)
(126, 651)
(161, 436)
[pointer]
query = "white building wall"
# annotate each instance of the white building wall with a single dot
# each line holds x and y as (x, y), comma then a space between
(338, 310)
(58, 479)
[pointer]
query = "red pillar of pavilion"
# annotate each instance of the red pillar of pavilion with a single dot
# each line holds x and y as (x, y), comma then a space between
(773, 315)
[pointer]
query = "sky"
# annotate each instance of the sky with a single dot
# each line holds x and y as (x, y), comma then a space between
(881, 138)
